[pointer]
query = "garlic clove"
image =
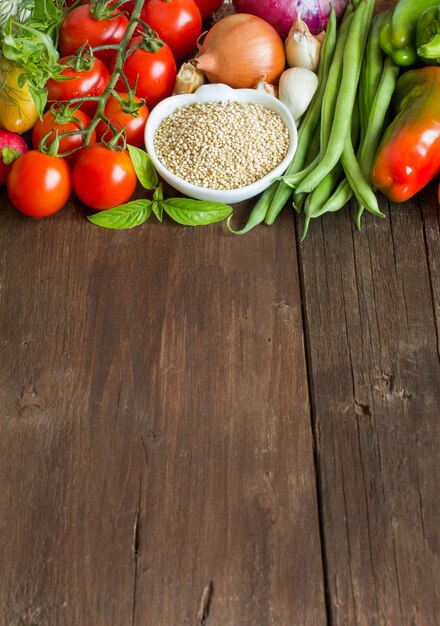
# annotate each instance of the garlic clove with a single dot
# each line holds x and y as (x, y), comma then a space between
(265, 87)
(297, 88)
(189, 79)
(302, 48)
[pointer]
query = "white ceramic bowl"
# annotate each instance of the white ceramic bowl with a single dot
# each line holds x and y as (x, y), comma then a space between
(216, 93)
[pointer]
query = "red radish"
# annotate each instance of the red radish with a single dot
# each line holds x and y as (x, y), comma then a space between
(11, 146)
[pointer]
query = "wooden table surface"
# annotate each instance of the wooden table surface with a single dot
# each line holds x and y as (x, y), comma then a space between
(198, 428)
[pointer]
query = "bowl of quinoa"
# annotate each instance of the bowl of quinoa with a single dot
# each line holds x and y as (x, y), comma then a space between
(221, 144)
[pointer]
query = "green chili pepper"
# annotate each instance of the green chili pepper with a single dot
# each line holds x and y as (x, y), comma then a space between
(398, 32)
(428, 36)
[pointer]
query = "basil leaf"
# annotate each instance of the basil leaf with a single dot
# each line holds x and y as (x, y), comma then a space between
(196, 212)
(158, 193)
(127, 215)
(143, 166)
(158, 210)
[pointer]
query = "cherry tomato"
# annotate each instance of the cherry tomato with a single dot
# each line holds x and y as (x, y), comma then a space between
(54, 121)
(18, 112)
(121, 117)
(90, 82)
(79, 26)
(208, 7)
(177, 22)
(103, 178)
(156, 73)
(39, 184)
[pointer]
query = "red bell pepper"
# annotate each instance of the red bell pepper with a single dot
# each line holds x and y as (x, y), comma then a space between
(409, 155)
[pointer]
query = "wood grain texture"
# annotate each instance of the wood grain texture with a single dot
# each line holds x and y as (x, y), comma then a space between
(376, 400)
(156, 453)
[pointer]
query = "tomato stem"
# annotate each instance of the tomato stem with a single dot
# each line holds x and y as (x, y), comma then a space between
(117, 70)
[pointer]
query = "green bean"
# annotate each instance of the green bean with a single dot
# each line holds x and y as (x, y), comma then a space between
(310, 122)
(257, 214)
(380, 106)
(346, 97)
(333, 83)
(373, 61)
(359, 184)
(339, 198)
(319, 196)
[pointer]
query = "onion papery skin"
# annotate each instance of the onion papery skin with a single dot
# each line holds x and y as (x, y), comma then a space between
(282, 13)
(241, 49)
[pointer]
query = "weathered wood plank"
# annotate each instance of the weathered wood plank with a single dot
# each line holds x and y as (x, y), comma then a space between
(155, 428)
(376, 394)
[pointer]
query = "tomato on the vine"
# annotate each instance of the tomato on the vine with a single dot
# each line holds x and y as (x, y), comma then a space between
(80, 25)
(208, 7)
(154, 71)
(63, 122)
(89, 77)
(39, 184)
(177, 22)
(103, 178)
(117, 110)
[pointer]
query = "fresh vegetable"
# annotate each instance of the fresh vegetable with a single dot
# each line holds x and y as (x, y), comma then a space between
(302, 48)
(239, 50)
(128, 112)
(98, 24)
(103, 178)
(398, 32)
(66, 122)
(177, 22)
(11, 146)
(297, 88)
(153, 67)
(282, 13)
(409, 155)
(346, 95)
(18, 112)
(428, 36)
(39, 184)
(31, 46)
(181, 210)
(87, 77)
(188, 80)
(208, 7)
(11, 8)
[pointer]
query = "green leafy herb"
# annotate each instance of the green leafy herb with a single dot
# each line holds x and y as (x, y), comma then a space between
(144, 168)
(195, 212)
(158, 210)
(127, 215)
(31, 46)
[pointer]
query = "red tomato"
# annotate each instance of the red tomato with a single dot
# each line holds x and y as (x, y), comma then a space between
(52, 121)
(208, 7)
(177, 22)
(90, 82)
(120, 117)
(79, 26)
(103, 178)
(39, 184)
(156, 72)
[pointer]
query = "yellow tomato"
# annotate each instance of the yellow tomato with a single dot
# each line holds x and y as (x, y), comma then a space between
(18, 112)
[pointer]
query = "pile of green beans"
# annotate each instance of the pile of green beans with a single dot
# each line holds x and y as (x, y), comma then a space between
(340, 133)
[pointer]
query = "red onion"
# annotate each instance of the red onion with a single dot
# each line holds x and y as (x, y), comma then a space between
(282, 13)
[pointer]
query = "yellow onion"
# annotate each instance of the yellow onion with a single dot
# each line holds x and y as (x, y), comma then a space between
(239, 49)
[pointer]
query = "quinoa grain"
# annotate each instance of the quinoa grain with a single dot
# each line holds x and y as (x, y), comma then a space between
(221, 145)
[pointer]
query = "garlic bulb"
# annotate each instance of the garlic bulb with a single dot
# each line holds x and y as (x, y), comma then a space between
(272, 90)
(297, 88)
(302, 48)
